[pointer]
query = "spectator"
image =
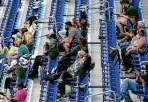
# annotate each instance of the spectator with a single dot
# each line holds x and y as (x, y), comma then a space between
(79, 68)
(20, 95)
(31, 24)
(135, 46)
(129, 34)
(22, 49)
(51, 50)
(84, 27)
(127, 11)
(73, 35)
(129, 84)
(28, 41)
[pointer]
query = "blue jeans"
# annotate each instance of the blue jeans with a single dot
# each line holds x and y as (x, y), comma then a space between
(124, 46)
(125, 87)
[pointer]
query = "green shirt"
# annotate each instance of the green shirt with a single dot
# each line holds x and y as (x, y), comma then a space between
(130, 11)
(20, 72)
(53, 52)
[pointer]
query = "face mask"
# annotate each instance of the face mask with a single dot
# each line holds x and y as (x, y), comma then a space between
(66, 28)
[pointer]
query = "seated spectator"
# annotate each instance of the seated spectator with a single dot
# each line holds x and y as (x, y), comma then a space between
(73, 34)
(125, 42)
(22, 49)
(51, 50)
(79, 68)
(28, 41)
(20, 95)
(135, 46)
(84, 27)
(129, 34)
(19, 32)
(127, 11)
(64, 61)
(138, 43)
(31, 24)
(82, 44)
(129, 84)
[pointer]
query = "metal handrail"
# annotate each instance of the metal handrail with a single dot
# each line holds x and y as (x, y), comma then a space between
(110, 91)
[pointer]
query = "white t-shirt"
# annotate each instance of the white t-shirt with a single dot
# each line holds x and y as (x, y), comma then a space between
(32, 28)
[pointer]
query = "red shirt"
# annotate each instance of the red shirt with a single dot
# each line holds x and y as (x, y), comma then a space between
(21, 95)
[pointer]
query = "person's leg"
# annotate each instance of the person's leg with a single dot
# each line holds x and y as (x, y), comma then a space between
(38, 61)
(120, 22)
(66, 47)
(124, 46)
(53, 76)
(125, 87)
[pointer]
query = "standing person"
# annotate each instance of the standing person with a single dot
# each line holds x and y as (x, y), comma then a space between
(73, 34)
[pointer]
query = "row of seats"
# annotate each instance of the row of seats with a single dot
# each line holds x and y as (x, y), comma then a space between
(110, 66)
(11, 21)
(49, 90)
(110, 76)
(137, 58)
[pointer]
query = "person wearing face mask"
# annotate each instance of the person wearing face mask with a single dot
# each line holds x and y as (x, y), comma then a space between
(72, 34)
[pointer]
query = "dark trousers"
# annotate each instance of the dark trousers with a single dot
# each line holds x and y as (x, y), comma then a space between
(38, 62)
(127, 61)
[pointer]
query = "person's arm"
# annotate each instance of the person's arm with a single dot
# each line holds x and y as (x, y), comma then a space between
(138, 75)
(67, 40)
(123, 15)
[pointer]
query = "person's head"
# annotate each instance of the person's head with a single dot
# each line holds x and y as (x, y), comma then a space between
(31, 19)
(53, 43)
(23, 30)
(27, 38)
(68, 25)
(133, 20)
(20, 85)
(124, 2)
(83, 23)
(74, 20)
(141, 32)
(53, 36)
(18, 42)
(82, 41)
(141, 24)
(81, 54)
(11, 40)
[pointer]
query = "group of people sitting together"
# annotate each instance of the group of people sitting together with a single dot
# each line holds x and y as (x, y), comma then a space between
(72, 51)
(17, 53)
(131, 35)
(73, 60)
